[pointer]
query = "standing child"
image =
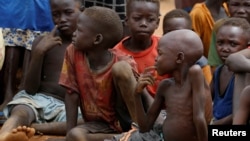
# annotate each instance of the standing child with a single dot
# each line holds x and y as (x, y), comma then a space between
(142, 20)
(232, 36)
(179, 19)
(204, 15)
(182, 95)
(42, 99)
(89, 75)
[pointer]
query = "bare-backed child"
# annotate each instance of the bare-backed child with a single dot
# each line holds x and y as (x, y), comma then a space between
(90, 76)
(232, 36)
(182, 95)
(42, 99)
(142, 19)
(179, 19)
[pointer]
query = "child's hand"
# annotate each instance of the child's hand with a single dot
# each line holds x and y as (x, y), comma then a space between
(146, 78)
(49, 41)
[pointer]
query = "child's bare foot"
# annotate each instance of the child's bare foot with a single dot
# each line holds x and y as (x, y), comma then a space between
(21, 133)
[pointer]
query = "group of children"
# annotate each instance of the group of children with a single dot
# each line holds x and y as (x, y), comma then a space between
(90, 83)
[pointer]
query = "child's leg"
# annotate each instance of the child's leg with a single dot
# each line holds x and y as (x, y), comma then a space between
(53, 128)
(23, 116)
(90, 131)
(11, 65)
(125, 83)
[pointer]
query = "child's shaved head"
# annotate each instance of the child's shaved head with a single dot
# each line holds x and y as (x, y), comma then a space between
(185, 41)
(107, 22)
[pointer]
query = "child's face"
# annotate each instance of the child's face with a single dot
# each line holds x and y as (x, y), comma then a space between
(143, 19)
(230, 39)
(240, 8)
(64, 14)
(84, 36)
(175, 24)
(165, 62)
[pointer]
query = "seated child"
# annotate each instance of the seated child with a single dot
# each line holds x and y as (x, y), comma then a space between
(232, 36)
(179, 19)
(91, 77)
(183, 95)
(42, 99)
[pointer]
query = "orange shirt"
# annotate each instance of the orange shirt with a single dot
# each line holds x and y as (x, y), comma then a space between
(203, 23)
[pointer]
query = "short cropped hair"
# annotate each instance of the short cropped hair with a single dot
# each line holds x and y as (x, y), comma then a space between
(239, 22)
(129, 2)
(108, 22)
(178, 13)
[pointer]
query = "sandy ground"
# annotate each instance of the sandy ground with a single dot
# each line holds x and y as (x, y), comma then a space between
(166, 5)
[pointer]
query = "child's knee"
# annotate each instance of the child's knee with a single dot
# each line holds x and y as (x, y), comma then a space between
(122, 70)
(75, 134)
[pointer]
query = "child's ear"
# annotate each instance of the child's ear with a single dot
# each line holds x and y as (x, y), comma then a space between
(98, 39)
(82, 8)
(180, 57)
(248, 44)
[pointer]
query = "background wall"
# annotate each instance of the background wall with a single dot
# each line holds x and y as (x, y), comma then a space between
(166, 5)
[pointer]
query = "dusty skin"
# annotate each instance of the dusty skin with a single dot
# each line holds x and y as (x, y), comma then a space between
(21, 133)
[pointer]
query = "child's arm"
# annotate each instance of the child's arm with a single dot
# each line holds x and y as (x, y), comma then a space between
(243, 112)
(198, 94)
(71, 104)
(39, 50)
(239, 61)
(146, 120)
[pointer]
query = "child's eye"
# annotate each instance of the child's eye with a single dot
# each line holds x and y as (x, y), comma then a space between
(151, 19)
(219, 43)
(233, 44)
(68, 12)
(136, 18)
(55, 15)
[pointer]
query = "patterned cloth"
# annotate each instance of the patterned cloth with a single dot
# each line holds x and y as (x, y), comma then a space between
(24, 20)
(118, 5)
(19, 37)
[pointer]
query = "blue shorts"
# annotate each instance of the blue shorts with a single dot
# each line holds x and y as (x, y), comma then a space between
(46, 108)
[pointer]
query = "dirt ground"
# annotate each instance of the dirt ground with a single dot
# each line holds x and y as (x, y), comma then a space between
(166, 5)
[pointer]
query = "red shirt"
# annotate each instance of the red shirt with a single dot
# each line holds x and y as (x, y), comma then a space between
(95, 89)
(144, 59)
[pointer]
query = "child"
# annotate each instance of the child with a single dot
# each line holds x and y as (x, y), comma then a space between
(42, 99)
(142, 20)
(89, 74)
(232, 36)
(203, 17)
(182, 95)
(180, 19)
